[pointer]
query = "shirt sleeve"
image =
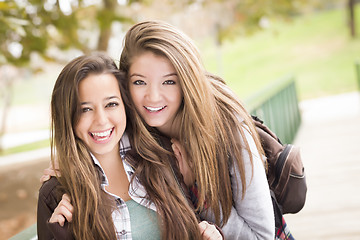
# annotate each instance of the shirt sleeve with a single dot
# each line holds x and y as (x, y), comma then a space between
(47, 202)
(253, 216)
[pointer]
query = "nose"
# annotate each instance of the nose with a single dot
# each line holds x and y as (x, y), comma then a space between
(100, 117)
(154, 93)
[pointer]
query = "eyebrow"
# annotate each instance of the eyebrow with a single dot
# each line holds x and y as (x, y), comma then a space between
(170, 74)
(106, 99)
(139, 75)
(136, 75)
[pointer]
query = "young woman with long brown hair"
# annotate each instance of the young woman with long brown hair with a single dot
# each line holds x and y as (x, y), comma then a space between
(99, 195)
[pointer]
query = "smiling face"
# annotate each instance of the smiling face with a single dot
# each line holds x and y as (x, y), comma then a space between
(102, 119)
(155, 90)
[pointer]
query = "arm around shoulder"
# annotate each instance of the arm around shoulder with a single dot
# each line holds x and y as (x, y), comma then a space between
(49, 197)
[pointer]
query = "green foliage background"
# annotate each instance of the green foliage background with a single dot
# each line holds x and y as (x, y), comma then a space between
(316, 48)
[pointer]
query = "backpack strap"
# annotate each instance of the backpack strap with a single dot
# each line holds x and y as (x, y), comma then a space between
(279, 166)
(285, 170)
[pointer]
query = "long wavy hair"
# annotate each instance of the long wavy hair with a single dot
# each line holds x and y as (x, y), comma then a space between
(79, 177)
(212, 119)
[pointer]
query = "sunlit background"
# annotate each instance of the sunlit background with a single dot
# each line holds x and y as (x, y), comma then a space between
(251, 44)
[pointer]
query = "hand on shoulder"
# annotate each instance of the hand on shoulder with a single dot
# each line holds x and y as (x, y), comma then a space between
(63, 212)
(210, 231)
(181, 157)
(48, 173)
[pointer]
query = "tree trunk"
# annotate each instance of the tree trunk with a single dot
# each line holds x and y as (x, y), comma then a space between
(105, 25)
(104, 39)
(351, 8)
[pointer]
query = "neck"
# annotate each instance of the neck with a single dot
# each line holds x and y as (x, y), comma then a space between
(171, 132)
(112, 156)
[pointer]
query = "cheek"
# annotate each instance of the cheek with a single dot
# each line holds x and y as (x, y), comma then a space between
(136, 97)
(120, 118)
(81, 129)
(178, 97)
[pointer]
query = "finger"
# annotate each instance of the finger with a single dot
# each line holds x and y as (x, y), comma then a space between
(61, 220)
(212, 233)
(176, 143)
(51, 172)
(175, 148)
(66, 197)
(66, 203)
(64, 212)
(57, 218)
(203, 225)
(48, 171)
(174, 140)
(209, 231)
(44, 178)
(178, 157)
(177, 153)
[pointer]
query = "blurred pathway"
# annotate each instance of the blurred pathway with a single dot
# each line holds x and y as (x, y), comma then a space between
(329, 138)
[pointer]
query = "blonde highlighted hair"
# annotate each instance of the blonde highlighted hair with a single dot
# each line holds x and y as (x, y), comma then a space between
(211, 118)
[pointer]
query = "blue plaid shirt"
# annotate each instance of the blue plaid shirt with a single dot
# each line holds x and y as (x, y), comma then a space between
(121, 216)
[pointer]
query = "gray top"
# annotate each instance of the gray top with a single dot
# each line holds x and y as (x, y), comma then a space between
(253, 216)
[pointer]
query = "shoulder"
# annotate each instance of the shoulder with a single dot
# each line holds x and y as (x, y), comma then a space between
(50, 190)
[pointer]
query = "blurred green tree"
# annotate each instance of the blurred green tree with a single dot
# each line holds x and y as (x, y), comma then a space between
(234, 18)
(38, 26)
(35, 26)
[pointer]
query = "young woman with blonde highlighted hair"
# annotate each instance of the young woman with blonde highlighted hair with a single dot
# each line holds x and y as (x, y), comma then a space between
(214, 139)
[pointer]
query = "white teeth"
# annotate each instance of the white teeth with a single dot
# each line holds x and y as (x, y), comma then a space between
(153, 109)
(102, 134)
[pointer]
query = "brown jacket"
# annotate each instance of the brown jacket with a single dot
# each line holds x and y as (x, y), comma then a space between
(49, 197)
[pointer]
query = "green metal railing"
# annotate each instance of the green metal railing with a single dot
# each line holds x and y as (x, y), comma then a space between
(277, 105)
(27, 234)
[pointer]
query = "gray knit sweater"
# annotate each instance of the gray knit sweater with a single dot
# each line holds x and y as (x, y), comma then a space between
(253, 216)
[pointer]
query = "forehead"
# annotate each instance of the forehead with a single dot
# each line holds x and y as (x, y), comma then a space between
(148, 61)
(95, 85)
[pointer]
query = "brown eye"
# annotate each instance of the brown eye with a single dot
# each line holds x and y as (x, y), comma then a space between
(112, 104)
(169, 82)
(139, 82)
(85, 109)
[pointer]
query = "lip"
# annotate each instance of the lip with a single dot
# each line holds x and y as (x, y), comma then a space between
(154, 109)
(102, 137)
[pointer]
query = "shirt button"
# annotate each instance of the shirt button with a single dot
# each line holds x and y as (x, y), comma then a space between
(123, 232)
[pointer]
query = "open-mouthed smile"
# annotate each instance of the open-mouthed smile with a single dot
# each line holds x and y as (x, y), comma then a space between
(154, 109)
(101, 136)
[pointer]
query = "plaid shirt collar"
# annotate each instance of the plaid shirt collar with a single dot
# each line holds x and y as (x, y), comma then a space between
(121, 215)
(124, 147)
